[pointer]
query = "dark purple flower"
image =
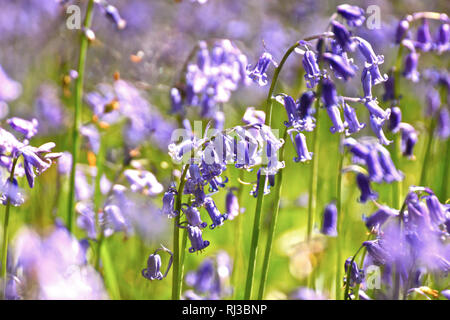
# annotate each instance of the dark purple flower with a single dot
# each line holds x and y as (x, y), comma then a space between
(424, 39)
(329, 93)
(410, 68)
(366, 79)
(340, 67)
(373, 166)
(330, 216)
(436, 209)
(442, 42)
(354, 15)
(197, 242)
(214, 213)
(379, 217)
(377, 252)
(367, 193)
(299, 142)
(258, 72)
(356, 276)
(389, 88)
(305, 104)
(343, 36)
(395, 119)
(409, 139)
(401, 30)
(203, 279)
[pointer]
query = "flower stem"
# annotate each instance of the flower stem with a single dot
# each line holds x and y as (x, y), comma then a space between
(5, 232)
(349, 270)
(272, 227)
(77, 117)
(238, 257)
(340, 230)
(176, 285)
(255, 239)
(312, 199)
(425, 162)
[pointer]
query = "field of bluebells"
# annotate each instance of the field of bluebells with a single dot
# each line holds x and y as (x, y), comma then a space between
(224, 149)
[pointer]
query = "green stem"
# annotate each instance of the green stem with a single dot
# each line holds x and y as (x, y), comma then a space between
(238, 257)
(272, 227)
(444, 182)
(312, 199)
(255, 238)
(176, 286)
(5, 232)
(77, 117)
(425, 163)
(339, 226)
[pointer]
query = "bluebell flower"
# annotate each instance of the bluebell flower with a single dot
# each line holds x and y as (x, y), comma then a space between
(377, 252)
(363, 183)
(311, 67)
(377, 127)
(153, 269)
(305, 104)
(401, 30)
(92, 135)
(11, 192)
(116, 220)
(366, 50)
(258, 72)
(424, 39)
(299, 113)
(436, 209)
(342, 36)
(442, 40)
(39, 159)
(214, 213)
(366, 80)
(335, 117)
(433, 100)
(169, 203)
(329, 224)
(410, 66)
(353, 15)
(390, 173)
(28, 128)
(301, 148)
(389, 88)
(254, 192)
(253, 116)
(197, 242)
(340, 67)
(376, 111)
(356, 275)
(409, 139)
(374, 166)
(395, 119)
(351, 119)
(193, 216)
(379, 217)
(329, 93)
(202, 279)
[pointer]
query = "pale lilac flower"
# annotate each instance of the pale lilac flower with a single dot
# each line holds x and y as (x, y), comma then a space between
(351, 119)
(258, 72)
(28, 128)
(143, 181)
(196, 239)
(193, 216)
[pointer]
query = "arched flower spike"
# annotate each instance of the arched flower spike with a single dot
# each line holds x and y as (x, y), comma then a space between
(153, 270)
(193, 216)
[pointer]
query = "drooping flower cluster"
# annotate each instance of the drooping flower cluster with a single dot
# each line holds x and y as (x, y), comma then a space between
(244, 146)
(377, 159)
(209, 82)
(410, 243)
(424, 41)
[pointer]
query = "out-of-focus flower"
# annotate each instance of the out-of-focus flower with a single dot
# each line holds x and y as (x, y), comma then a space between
(354, 15)
(25, 127)
(258, 72)
(330, 218)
